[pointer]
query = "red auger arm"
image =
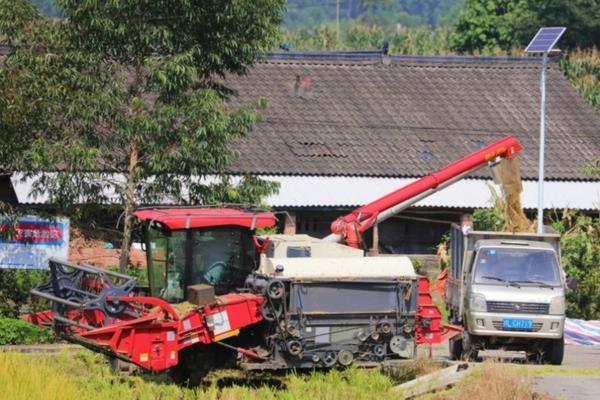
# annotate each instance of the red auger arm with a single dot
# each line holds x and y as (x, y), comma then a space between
(349, 228)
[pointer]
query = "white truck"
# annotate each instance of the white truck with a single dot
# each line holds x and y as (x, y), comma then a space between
(507, 290)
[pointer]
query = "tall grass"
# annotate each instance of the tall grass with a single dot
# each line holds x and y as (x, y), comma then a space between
(85, 375)
(582, 68)
(493, 382)
(412, 41)
(23, 379)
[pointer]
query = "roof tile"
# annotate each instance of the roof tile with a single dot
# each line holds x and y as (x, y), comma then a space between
(363, 118)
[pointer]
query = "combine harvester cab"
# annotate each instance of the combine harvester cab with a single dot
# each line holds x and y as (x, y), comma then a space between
(220, 296)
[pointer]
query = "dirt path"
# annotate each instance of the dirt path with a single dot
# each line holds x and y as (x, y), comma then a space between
(575, 356)
(570, 386)
(573, 387)
(582, 357)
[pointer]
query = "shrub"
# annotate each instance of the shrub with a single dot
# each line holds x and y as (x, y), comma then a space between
(492, 218)
(488, 219)
(417, 265)
(14, 290)
(16, 331)
(580, 246)
(141, 274)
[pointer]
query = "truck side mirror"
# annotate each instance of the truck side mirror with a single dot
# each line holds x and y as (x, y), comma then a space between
(572, 283)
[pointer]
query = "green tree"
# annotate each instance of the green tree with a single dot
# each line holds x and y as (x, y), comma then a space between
(580, 17)
(580, 248)
(375, 6)
(130, 95)
(485, 26)
(489, 25)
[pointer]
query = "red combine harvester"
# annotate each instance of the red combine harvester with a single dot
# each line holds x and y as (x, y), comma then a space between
(219, 295)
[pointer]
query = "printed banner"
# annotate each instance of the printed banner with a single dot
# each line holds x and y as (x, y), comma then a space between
(33, 240)
(578, 331)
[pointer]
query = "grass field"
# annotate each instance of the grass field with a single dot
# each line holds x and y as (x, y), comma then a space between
(84, 375)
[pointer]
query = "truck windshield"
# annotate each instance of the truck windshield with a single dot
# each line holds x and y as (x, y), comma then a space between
(503, 265)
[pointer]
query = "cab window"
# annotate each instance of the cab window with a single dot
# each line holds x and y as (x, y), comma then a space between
(166, 264)
(222, 257)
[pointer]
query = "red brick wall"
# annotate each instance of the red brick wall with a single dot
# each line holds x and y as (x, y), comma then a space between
(106, 258)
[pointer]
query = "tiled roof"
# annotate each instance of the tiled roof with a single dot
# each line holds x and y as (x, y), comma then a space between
(346, 114)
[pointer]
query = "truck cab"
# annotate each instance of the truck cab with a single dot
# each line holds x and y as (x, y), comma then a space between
(508, 291)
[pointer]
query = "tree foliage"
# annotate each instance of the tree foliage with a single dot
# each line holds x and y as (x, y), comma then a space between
(484, 25)
(132, 89)
(580, 246)
(14, 290)
(580, 17)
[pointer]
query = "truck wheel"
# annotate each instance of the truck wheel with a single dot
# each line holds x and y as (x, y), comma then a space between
(469, 348)
(455, 348)
(555, 351)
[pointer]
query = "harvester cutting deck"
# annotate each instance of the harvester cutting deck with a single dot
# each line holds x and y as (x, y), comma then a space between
(219, 295)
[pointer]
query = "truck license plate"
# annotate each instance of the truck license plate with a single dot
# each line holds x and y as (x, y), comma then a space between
(513, 323)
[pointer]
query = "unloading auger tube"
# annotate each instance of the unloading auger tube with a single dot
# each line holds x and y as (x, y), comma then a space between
(349, 228)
